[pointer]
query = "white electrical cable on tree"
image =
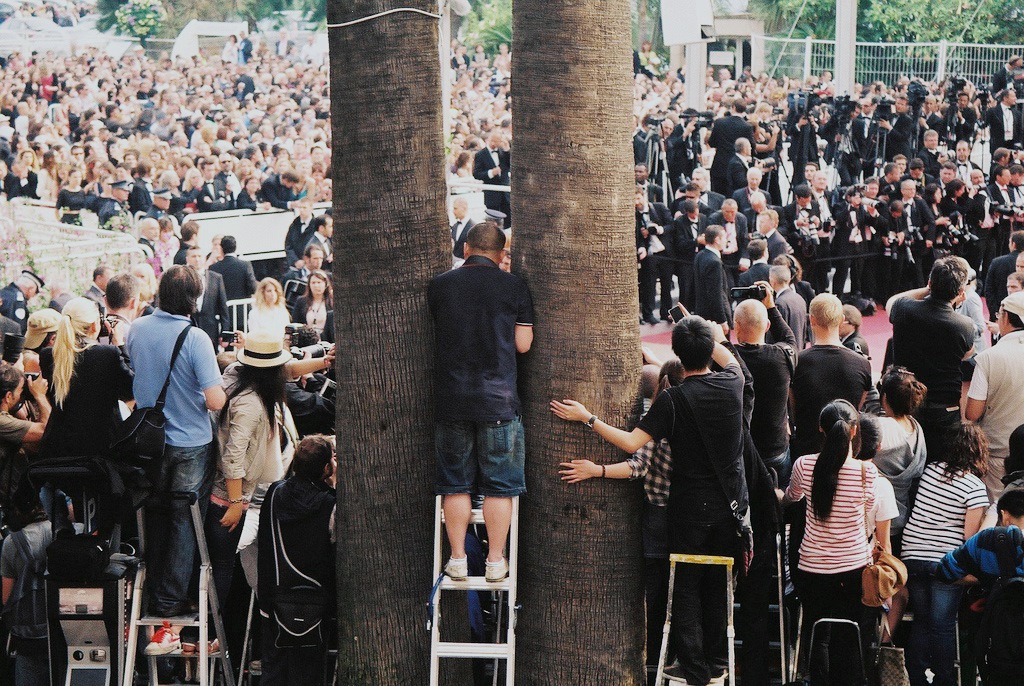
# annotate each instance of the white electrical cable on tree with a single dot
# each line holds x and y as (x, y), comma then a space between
(386, 13)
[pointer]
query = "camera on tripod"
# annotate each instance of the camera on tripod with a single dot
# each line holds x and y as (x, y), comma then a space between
(843, 107)
(803, 102)
(884, 108)
(955, 86)
(702, 120)
(917, 91)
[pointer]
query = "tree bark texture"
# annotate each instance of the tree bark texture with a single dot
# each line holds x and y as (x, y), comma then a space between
(580, 583)
(390, 239)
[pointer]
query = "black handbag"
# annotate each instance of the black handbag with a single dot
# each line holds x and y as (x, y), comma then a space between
(141, 437)
(77, 557)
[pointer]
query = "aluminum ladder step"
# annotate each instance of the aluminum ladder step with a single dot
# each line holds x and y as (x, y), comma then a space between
(494, 651)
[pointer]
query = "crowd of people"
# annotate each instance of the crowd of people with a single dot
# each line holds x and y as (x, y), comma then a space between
(770, 421)
(770, 402)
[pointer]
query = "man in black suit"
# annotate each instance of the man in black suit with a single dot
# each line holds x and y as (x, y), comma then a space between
(299, 233)
(855, 236)
(708, 200)
(1004, 121)
(140, 199)
(767, 224)
(899, 133)
(739, 163)
(212, 308)
(239, 279)
(734, 248)
(864, 136)
(757, 251)
(655, 193)
(21, 182)
(686, 229)
(724, 134)
(1002, 267)
(916, 173)
(802, 219)
(322, 227)
(929, 153)
(1012, 71)
(711, 288)
(651, 220)
(460, 229)
(279, 189)
(792, 306)
(214, 195)
(492, 165)
(752, 185)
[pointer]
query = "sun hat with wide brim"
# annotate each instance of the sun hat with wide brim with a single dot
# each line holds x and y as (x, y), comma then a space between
(263, 349)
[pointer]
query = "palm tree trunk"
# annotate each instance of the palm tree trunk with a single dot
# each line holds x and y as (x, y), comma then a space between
(390, 239)
(580, 580)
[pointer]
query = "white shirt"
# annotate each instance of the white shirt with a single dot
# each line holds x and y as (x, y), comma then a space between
(1007, 122)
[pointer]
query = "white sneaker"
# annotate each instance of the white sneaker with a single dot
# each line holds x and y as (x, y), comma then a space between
(496, 571)
(457, 570)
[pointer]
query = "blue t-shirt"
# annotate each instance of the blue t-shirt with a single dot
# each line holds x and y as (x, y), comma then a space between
(150, 345)
(476, 309)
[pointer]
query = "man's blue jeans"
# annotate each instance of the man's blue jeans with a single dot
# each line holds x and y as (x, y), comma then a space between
(170, 536)
(933, 631)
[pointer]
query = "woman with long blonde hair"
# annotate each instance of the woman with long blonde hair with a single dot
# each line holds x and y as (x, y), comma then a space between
(87, 379)
(269, 311)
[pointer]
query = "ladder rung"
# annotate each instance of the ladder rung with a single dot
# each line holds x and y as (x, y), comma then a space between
(477, 517)
(475, 583)
(181, 620)
(178, 653)
(483, 650)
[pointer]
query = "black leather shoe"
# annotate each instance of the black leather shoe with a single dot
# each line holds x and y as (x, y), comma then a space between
(651, 319)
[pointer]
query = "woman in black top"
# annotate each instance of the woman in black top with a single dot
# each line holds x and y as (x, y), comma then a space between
(313, 308)
(250, 197)
(71, 199)
(86, 381)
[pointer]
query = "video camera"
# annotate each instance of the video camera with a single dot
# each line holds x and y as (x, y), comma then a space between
(917, 91)
(755, 292)
(954, 87)
(884, 108)
(843, 107)
(702, 120)
(803, 102)
(305, 342)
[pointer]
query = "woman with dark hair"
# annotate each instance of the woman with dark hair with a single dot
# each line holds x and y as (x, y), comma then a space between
(314, 306)
(950, 504)
(249, 437)
(840, 491)
(902, 454)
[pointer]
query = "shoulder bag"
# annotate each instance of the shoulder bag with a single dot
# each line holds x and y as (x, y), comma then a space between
(141, 438)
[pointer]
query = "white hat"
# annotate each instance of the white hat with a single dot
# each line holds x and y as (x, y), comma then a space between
(1014, 303)
(263, 349)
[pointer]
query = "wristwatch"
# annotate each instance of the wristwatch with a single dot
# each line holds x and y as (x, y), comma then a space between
(590, 422)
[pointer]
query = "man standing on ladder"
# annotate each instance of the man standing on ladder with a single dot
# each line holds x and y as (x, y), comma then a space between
(483, 316)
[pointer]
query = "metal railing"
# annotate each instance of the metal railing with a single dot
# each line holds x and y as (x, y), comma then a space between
(886, 62)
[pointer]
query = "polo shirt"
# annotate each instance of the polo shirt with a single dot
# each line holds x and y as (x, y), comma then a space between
(930, 339)
(150, 345)
(476, 309)
(999, 381)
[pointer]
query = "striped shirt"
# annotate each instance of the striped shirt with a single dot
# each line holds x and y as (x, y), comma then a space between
(839, 543)
(936, 524)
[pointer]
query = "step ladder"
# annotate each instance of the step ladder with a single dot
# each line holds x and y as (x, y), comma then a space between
(496, 651)
(730, 630)
(208, 607)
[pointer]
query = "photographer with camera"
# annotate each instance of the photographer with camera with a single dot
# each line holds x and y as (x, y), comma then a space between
(964, 120)
(899, 129)
(687, 228)
(736, 231)
(856, 225)
(865, 137)
(802, 128)
(1004, 122)
(1009, 75)
(768, 142)
(651, 220)
(724, 134)
(842, 149)
(16, 432)
(802, 219)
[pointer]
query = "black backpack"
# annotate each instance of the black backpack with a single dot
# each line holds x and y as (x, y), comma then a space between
(999, 644)
(25, 611)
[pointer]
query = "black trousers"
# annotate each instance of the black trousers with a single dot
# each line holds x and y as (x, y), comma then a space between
(852, 267)
(755, 591)
(833, 661)
(647, 276)
(699, 617)
(940, 423)
(666, 267)
(684, 275)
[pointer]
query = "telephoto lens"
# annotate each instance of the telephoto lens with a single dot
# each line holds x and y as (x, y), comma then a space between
(13, 345)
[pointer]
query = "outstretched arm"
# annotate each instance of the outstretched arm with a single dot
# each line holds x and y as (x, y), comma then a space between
(572, 411)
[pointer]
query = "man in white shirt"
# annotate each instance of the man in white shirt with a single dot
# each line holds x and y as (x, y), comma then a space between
(996, 396)
(460, 229)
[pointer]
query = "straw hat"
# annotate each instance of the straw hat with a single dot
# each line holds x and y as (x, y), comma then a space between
(263, 349)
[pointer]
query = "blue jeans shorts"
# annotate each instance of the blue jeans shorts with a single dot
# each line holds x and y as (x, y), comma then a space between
(486, 458)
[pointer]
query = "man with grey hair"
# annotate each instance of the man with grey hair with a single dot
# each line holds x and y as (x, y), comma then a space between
(460, 229)
(743, 195)
(15, 296)
(739, 165)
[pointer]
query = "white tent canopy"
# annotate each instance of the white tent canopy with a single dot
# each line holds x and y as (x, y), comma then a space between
(187, 42)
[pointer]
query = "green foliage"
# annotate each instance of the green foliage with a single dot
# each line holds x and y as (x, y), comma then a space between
(139, 18)
(489, 23)
(997, 21)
